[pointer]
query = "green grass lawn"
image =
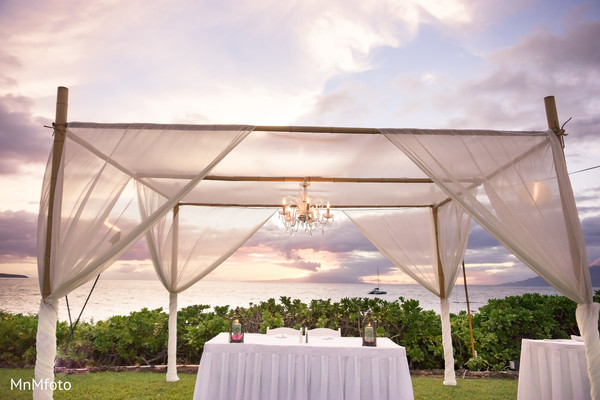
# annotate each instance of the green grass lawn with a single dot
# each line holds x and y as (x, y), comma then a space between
(480, 389)
(148, 385)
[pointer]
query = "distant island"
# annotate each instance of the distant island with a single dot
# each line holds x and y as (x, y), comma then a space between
(539, 281)
(3, 275)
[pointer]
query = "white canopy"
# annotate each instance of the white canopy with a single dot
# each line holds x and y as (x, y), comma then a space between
(115, 183)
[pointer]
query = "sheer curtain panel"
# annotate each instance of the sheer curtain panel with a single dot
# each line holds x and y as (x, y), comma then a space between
(525, 201)
(95, 215)
(190, 242)
(417, 240)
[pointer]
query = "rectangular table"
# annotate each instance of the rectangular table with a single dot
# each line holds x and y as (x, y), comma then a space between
(554, 370)
(278, 367)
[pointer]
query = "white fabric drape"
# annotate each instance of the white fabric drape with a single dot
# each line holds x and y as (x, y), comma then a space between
(172, 341)
(449, 374)
(94, 218)
(405, 237)
(186, 248)
(411, 240)
(587, 320)
(453, 225)
(45, 345)
(525, 201)
(190, 242)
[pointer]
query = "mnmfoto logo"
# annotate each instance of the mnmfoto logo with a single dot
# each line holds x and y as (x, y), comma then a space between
(43, 384)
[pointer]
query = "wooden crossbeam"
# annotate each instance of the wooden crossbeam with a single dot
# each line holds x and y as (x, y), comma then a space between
(273, 205)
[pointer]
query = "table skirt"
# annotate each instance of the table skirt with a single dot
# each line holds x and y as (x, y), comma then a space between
(246, 371)
(553, 370)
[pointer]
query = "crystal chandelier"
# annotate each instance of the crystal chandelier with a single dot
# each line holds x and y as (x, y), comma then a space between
(304, 212)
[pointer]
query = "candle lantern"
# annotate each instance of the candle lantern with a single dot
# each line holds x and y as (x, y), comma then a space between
(236, 328)
(369, 330)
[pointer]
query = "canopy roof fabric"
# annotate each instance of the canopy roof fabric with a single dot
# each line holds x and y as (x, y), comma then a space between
(115, 182)
(264, 167)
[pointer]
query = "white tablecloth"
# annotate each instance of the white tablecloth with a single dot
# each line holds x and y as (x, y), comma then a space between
(553, 369)
(279, 368)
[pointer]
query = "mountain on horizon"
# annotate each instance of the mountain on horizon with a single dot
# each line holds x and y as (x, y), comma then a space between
(3, 275)
(539, 281)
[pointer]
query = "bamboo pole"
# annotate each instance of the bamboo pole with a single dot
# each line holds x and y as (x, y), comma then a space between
(313, 179)
(439, 259)
(265, 178)
(278, 205)
(60, 131)
(175, 249)
(373, 131)
(551, 113)
(318, 129)
(300, 129)
(552, 118)
(469, 311)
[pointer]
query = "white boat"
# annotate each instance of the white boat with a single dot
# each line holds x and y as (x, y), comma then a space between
(377, 290)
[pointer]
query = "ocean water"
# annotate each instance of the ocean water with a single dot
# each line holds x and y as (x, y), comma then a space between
(120, 297)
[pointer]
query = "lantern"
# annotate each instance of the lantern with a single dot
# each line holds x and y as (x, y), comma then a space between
(369, 330)
(236, 328)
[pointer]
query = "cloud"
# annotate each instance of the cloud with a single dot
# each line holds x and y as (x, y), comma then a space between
(138, 251)
(341, 253)
(341, 36)
(492, 274)
(541, 64)
(130, 270)
(591, 193)
(337, 276)
(23, 139)
(304, 265)
(18, 238)
(340, 236)
(591, 233)
(480, 239)
(485, 252)
(263, 60)
(562, 56)
(351, 101)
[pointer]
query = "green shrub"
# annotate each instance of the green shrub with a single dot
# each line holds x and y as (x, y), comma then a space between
(200, 330)
(17, 341)
(501, 324)
(141, 337)
(476, 364)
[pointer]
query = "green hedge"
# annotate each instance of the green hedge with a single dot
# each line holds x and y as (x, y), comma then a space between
(141, 337)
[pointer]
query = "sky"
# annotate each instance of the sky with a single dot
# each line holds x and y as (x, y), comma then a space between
(387, 63)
